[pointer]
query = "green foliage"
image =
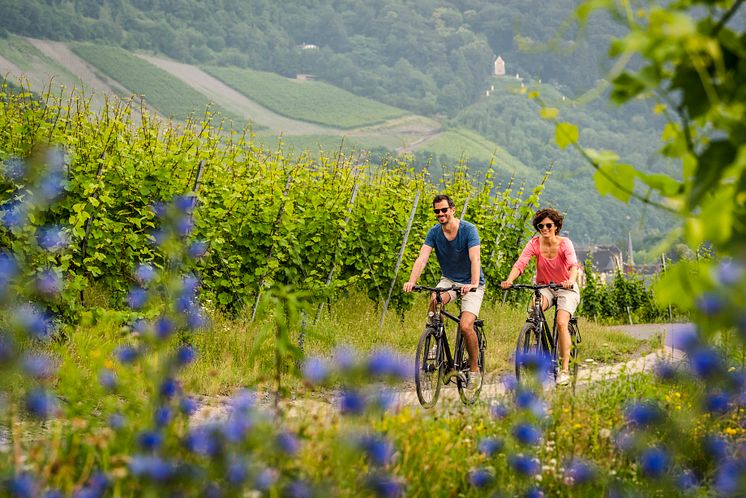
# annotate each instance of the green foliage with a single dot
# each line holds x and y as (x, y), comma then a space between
(166, 93)
(311, 101)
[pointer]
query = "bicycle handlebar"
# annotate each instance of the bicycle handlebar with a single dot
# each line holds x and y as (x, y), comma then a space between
(440, 290)
(550, 285)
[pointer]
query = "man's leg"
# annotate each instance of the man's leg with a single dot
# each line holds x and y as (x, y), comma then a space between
(472, 345)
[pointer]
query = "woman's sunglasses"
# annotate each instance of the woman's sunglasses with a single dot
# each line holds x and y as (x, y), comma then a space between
(441, 210)
(541, 226)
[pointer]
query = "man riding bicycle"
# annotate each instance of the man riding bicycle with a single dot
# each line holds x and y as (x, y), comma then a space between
(457, 247)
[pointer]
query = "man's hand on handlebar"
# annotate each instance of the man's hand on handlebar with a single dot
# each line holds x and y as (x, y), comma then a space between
(408, 286)
(567, 284)
(468, 288)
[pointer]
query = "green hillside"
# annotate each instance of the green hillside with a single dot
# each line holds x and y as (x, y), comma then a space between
(312, 101)
(167, 94)
(37, 68)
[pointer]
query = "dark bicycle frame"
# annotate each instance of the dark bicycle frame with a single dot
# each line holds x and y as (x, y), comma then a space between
(548, 340)
(440, 328)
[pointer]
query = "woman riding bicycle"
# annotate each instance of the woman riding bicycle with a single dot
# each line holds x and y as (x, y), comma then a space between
(555, 262)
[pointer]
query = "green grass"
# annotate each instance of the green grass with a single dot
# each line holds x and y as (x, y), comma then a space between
(166, 93)
(311, 101)
(30, 59)
(311, 144)
(460, 142)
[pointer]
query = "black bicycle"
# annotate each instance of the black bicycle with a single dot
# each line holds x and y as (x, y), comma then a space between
(435, 365)
(536, 341)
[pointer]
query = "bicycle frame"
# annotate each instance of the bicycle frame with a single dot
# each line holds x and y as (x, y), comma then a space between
(439, 324)
(548, 339)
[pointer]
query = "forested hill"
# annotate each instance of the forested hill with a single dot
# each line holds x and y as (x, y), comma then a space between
(428, 56)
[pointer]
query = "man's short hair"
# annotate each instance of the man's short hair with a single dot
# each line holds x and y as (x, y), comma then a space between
(443, 197)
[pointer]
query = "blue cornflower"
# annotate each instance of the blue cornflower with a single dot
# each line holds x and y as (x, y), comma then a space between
(524, 465)
(710, 304)
(53, 493)
(164, 327)
(145, 273)
(644, 413)
(153, 467)
(729, 480)
(526, 399)
(203, 440)
(243, 401)
(117, 421)
(13, 169)
(188, 406)
(195, 319)
(625, 440)
(8, 271)
(162, 416)
(490, 446)
(383, 399)
(169, 387)
(184, 226)
(150, 440)
(716, 447)
(297, 489)
(52, 186)
(654, 462)
(137, 298)
(717, 402)
(578, 471)
(499, 411)
(38, 366)
(33, 321)
(287, 443)
(41, 404)
(13, 215)
(536, 363)
(7, 349)
(382, 362)
(378, 449)
(480, 478)
(185, 355)
(127, 354)
(383, 485)
(265, 479)
(351, 402)
(24, 485)
(684, 336)
(237, 473)
(534, 492)
(316, 370)
(48, 283)
(108, 379)
(237, 426)
(527, 434)
(665, 371)
(686, 480)
(729, 272)
(52, 238)
(345, 358)
(184, 203)
(198, 249)
(706, 362)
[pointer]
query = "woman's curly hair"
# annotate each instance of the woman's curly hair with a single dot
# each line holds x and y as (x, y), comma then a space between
(550, 213)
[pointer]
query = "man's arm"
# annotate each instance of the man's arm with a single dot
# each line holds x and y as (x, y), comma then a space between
(476, 265)
(418, 267)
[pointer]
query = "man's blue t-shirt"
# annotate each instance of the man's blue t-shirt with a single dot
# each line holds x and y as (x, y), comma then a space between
(453, 255)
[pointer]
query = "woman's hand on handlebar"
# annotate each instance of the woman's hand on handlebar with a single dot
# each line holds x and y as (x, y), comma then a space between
(567, 284)
(506, 285)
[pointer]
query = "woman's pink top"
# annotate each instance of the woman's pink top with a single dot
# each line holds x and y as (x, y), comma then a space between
(555, 270)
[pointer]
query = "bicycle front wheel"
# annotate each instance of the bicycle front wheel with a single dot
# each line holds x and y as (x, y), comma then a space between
(574, 345)
(528, 352)
(428, 368)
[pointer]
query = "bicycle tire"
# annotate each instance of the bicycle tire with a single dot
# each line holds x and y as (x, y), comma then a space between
(470, 397)
(428, 371)
(528, 343)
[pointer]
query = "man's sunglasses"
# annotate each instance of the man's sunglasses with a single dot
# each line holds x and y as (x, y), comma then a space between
(441, 210)
(541, 226)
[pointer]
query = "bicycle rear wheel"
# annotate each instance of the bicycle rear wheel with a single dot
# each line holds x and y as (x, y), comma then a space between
(469, 396)
(528, 352)
(428, 368)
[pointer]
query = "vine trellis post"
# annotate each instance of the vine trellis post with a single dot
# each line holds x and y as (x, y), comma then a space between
(401, 256)
(89, 221)
(275, 227)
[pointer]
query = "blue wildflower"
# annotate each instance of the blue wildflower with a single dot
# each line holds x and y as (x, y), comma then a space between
(127, 354)
(203, 440)
(144, 273)
(710, 304)
(287, 443)
(345, 358)
(52, 238)
(265, 479)
(237, 473)
(578, 471)
(24, 485)
(686, 480)
(152, 467)
(729, 272)
(316, 370)
(237, 427)
(141, 326)
(169, 387)
(706, 363)
(716, 447)
(524, 465)
(490, 446)
(8, 271)
(164, 327)
(7, 349)
(665, 371)
(499, 411)
(536, 363)
(654, 462)
(383, 399)
(162, 416)
(184, 226)
(13, 169)
(150, 440)
(52, 186)
(297, 489)
(684, 336)
(534, 492)
(644, 414)
(38, 366)
(184, 203)
(185, 355)
(729, 479)
(188, 406)
(198, 249)
(480, 478)
(41, 404)
(378, 449)
(717, 403)
(383, 485)
(351, 402)
(243, 401)
(48, 283)
(527, 434)
(137, 298)
(33, 321)
(117, 421)
(13, 215)
(108, 379)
